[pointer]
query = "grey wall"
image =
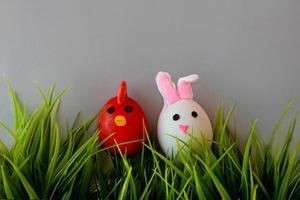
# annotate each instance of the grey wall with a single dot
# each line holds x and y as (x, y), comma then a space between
(246, 52)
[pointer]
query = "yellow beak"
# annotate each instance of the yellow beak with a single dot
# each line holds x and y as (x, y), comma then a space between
(120, 120)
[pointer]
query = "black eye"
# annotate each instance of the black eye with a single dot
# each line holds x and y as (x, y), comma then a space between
(128, 109)
(111, 110)
(176, 117)
(194, 114)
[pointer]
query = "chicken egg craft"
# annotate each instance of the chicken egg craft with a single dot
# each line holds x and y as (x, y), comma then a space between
(122, 123)
(182, 120)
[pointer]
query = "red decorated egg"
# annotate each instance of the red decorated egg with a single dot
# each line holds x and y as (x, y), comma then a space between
(122, 122)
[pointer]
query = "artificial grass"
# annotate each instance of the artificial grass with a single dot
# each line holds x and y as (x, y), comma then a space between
(44, 163)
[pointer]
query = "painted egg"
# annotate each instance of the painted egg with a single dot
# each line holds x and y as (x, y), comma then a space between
(182, 120)
(122, 122)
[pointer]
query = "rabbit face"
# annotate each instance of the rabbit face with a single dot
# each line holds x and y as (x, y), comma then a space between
(182, 120)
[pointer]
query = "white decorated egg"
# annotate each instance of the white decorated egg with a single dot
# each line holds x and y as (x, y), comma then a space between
(182, 121)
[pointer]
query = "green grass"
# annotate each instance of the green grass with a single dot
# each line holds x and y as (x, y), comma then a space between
(48, 163)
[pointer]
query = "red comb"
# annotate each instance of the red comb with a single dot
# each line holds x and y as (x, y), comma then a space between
(122, 93)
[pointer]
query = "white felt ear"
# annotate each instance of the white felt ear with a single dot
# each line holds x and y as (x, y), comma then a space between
(167, 88)
(185, 90)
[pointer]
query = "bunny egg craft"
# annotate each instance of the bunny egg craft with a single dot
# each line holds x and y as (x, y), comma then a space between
(182, 120)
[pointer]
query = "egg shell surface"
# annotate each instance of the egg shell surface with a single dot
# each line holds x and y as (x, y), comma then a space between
(171, 132)
(129, 131)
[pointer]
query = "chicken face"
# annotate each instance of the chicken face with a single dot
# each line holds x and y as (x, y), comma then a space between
(122, 122)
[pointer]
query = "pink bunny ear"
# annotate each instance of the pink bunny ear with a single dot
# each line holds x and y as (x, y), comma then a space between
(185, 86)
(167, 88)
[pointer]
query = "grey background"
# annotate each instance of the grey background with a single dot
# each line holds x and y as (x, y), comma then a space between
(245, 52)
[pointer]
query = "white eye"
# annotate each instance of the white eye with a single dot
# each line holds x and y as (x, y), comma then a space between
(176, 117)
